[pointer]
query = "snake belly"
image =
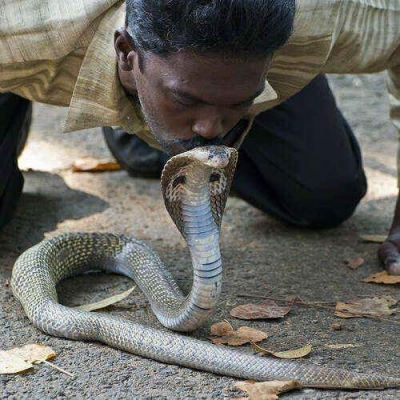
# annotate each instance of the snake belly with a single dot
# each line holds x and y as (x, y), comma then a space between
(195, 188)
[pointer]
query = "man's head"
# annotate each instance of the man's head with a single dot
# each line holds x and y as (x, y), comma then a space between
(197, 65)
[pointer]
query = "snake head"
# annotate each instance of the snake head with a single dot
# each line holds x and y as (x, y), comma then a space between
(189, 178)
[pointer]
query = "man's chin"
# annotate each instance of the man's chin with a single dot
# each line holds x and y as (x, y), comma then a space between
(171, 147)
(176, 146)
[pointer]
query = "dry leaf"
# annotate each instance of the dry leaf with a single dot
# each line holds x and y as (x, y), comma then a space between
(221, 329)
(33, 353)
(92, 164)
(340, 346)
(22, 358)
(373, 238)
(355, 263)
(295, 353)
(241, 336)
(106, 302)
(267, 390)
(366, 307)
(267, 309)
(10, 364)
(383, 277)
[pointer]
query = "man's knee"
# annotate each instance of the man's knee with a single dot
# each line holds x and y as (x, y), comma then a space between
(327, 206)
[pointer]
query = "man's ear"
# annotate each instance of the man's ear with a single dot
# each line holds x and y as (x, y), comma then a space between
(125, 49)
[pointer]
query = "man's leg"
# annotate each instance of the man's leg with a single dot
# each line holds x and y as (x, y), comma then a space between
(15, 117)
(301, 162)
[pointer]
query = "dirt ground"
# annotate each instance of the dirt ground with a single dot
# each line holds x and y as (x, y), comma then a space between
(261, 256)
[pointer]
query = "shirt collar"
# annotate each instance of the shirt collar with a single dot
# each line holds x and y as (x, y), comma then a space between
(98, 98)
(268, 94)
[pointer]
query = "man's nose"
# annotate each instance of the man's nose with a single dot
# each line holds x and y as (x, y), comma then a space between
(208, 127)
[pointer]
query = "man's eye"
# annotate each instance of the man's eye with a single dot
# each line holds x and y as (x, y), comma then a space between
(242, 106)
(182, 103)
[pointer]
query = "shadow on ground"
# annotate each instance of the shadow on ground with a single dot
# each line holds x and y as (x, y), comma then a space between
(45, 202)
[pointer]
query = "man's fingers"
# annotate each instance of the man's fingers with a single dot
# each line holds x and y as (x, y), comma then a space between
(393, 269)
(390, 256)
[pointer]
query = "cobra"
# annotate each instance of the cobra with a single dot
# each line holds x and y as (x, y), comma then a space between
(195, 187)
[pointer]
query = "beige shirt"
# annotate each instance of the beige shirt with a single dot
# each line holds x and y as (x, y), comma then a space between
(62, 52)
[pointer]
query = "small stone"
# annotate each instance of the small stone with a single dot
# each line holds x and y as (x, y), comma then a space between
(337, 326)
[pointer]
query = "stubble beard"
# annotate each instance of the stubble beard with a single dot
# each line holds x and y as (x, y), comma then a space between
(166, 140)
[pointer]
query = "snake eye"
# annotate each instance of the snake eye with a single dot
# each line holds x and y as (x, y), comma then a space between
(181, 179)
(214, 177)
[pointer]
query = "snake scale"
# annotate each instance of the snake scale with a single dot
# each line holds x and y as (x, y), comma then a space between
(195, 186)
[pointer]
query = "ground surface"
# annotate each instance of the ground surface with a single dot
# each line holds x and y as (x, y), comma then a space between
(262, 256)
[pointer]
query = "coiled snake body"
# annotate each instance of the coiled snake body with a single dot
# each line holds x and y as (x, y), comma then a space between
(195, 187)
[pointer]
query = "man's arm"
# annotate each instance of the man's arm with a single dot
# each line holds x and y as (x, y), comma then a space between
(389, 251)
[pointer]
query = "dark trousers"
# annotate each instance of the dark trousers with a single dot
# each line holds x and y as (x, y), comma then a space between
(15, 118)
(300, 162)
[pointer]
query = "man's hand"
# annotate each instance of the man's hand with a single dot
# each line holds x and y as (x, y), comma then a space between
(389, 251)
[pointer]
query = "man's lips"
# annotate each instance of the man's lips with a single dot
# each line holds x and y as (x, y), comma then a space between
(231, 139)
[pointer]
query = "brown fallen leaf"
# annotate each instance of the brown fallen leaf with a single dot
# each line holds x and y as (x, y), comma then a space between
(241, 336)
(294, 353)
(355, 263)
(222, 328)
(22, 358)
(382, 277)
(106, 302)
(373, 238)
(92, 164)
(366, 307)
(267, 390)
(267, 309)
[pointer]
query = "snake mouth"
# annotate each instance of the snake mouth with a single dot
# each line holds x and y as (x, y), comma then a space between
(212, 156)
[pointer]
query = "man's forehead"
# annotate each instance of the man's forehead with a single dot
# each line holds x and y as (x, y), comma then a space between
(189, 68)
(202, 74)
(187, 64)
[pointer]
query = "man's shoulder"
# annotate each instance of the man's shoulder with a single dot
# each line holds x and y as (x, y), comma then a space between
(47, 30)
(305, 53)
(330, 36)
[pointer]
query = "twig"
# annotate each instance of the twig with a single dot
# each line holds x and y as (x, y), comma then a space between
(225, 320)
(55, 367)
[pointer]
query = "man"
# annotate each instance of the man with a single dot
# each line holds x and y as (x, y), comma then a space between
(195, 72)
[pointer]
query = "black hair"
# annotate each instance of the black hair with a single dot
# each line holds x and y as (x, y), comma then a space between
(240, 28)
